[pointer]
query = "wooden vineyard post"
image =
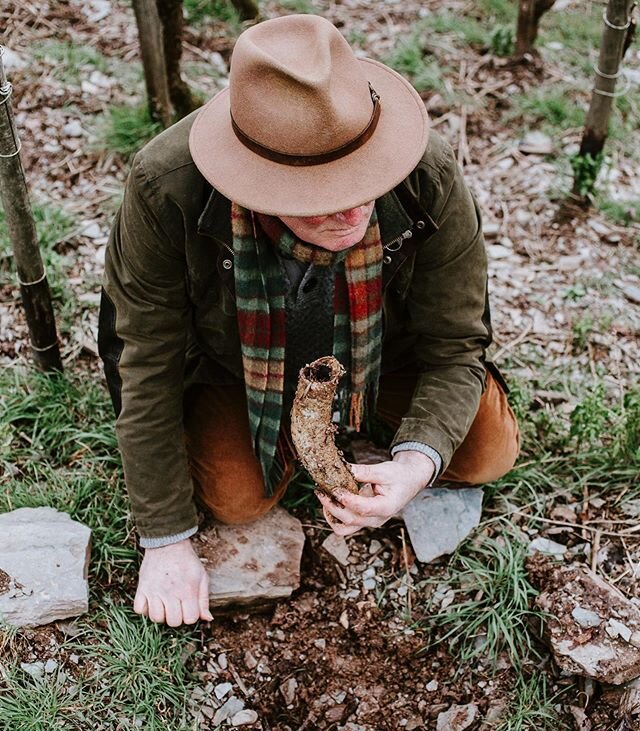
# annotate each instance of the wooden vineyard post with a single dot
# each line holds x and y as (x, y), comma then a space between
(247, 9)
(34, 288)
(529, 14)
(153, 60)
(170, 13)
(616, 33)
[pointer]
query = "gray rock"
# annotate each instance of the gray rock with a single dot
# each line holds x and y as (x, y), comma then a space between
(45, 555)
(337, 547)
(438, 519)
(228, 710)
(73, 129)
(244, 718)
(222, 689)
(457, 718)
(12, 61)
(545, 545)
(51, 665)
(34, 669)
(632, 293)
(536, 143)
(585, 617)
(253, 563)
(606, 655)
(249, 660)
(288, 690)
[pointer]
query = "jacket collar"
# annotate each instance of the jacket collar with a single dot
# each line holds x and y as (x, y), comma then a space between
(393, 219)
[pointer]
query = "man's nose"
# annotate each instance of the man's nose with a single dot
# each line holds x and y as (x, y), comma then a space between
(351, 216)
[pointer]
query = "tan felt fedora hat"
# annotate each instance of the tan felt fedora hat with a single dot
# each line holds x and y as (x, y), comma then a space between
(305, 128)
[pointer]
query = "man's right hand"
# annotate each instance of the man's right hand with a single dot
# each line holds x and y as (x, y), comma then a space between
(173, 586)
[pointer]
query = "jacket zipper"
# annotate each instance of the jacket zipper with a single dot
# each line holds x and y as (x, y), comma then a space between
(396, 243)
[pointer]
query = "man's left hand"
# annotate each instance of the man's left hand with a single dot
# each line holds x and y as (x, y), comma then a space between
(394, 484)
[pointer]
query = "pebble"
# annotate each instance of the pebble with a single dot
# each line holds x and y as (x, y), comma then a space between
(585, 617)
(232, 707)
(337, 547)
(12, 60)
(263, 668)
(50, 665)
(617, 629)
(97, 10)
(222, 689)
(344, 619)
(244, 718)
(414, 723)
(222, 661)
(536, 143)
(369, 584)
(457, 718)
(336, 714)
(632, 293)
(375, 546)
(320, 644)
(544, 545)
(288, 690)
(432, 686)
(250, 660)
(279, 635)
(73, 129)
(34, 669)
(92, 230)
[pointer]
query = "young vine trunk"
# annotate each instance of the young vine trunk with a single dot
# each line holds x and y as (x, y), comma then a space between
(312, 429)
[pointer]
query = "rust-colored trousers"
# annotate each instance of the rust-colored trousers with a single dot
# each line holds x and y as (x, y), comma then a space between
(227, 475)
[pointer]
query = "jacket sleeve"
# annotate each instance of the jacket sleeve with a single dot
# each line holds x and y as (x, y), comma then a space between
(145, 289)
(448, 313)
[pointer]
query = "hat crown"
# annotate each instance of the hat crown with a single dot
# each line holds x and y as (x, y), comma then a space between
(296, 86)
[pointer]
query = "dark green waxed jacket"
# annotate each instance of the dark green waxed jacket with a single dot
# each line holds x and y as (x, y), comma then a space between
(168, 317)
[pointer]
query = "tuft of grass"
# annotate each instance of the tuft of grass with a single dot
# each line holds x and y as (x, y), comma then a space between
(412, 59)
(69, 60)
(622, 212)
(463, 29)
(140, 669)
(301, 492)
(578, 29)
(58, 448)
(585, 170)
(41, 704)
(299, 6)
(553, 109)
(53, 226)
(199, 12)
(502, 41)
(498, 11)
(128, 129)
(491, 612)
(533, 707)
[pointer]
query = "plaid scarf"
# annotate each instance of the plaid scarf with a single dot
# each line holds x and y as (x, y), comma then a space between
(260, 299)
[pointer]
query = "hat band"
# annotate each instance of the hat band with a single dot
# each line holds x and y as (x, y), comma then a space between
(320, 158)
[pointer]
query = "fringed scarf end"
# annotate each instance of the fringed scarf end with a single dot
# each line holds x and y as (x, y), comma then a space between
(355, 410)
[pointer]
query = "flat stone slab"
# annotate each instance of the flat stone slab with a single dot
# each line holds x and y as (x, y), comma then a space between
(592, 628)
(438, 519)
(253, 563)
(44, 561)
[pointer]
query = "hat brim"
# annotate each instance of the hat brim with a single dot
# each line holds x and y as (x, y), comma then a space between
(363, 175)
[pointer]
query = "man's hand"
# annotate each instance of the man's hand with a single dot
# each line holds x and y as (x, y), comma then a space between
(173, 586)
(394, 485)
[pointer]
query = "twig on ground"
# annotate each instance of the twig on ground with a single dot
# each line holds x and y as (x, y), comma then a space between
(595, 547)
(516, 341)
